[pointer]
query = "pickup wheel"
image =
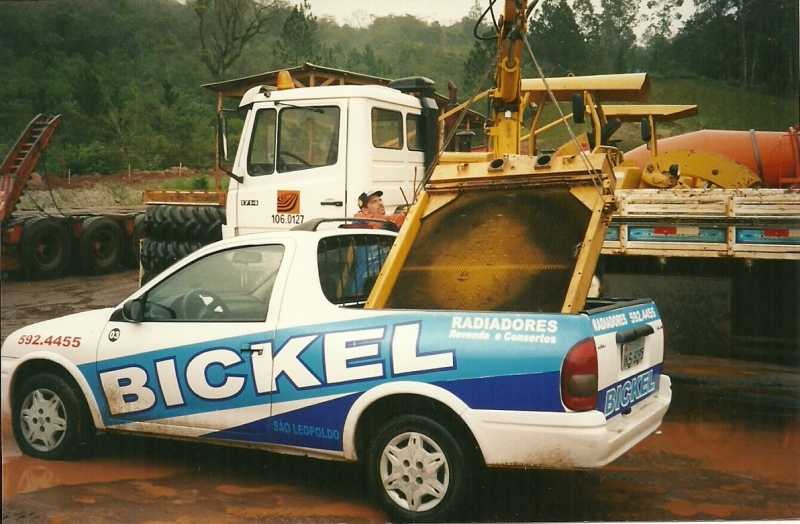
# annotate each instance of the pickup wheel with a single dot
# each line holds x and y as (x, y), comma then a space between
(417, 470)
(102, 245)
(49, 418)
(45, 248)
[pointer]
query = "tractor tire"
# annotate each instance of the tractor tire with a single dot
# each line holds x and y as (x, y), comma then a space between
(135, 242)
(45, 248)
(198, 223)
(158, 255)
(101, 246)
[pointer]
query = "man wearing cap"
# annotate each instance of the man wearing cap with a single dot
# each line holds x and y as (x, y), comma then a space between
(371, 206)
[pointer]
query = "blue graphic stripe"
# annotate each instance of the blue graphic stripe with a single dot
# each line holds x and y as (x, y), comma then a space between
(317, 427)
(624, 318)
(622, 396)
(759, 236)
(704, 234)
(539, 392)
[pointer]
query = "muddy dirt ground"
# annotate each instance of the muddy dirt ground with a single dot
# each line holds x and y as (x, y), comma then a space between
(729, 449)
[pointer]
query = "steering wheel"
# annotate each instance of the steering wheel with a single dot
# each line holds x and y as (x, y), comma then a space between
(282, 164)
(200, 304)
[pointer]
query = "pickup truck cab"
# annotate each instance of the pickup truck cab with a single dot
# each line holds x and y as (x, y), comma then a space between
(263, 341)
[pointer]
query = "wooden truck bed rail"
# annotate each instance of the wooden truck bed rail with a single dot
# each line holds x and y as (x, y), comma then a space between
(763, 223)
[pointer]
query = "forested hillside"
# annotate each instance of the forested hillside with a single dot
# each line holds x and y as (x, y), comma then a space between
(126, 74)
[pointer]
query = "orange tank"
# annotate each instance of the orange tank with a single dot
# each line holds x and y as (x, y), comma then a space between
(777, 151)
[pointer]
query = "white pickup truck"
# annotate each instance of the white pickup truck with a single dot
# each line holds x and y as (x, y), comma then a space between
(263, 341)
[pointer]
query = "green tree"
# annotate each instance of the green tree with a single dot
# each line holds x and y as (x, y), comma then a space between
(556, 39)
(658, 35)
(88, 92)
(298, 39)
(749, 43)
(616, 22)
(480, 57)
(226, 26)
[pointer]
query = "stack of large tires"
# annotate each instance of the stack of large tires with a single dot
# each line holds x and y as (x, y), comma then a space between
(172, 232)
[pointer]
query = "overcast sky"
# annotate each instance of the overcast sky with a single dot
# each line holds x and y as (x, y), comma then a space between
(359, 13)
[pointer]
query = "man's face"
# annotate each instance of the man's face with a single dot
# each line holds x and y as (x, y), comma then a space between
(375, 205)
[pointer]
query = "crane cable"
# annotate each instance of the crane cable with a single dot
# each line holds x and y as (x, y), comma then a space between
(594, 172)
(477, 91)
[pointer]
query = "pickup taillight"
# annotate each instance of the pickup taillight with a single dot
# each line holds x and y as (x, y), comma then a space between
(579, 377)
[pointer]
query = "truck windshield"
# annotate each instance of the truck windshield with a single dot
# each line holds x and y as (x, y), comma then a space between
(306, 137)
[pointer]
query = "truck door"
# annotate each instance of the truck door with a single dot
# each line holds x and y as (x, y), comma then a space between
(198, 363)
(295, 166)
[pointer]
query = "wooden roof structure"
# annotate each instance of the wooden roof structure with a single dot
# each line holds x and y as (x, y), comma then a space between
(310, 75)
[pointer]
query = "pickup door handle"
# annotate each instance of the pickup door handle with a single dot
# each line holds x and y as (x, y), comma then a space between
(629, 335)
(258, 349)
(335, 203)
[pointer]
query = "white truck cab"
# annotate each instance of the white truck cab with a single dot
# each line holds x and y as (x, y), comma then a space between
(310, 152)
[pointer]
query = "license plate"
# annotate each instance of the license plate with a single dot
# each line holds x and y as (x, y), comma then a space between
(632, 353)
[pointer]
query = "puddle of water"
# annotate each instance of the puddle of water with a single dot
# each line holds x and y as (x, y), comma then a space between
(23, 474)
(242, 490)
(295, 510)
(688, 510)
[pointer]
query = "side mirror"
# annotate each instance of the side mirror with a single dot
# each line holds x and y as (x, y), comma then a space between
(578, 109)
(647, 133)
(222, 136)
(133, 310)
(222, 146)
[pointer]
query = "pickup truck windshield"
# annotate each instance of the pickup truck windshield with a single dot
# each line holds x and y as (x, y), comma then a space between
(239, 291)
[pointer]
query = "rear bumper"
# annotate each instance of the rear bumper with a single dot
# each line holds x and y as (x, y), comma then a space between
(565, 440)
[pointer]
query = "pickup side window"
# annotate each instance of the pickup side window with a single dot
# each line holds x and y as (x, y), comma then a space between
(229, 286)
(349, 265)
(387, 128)
(414, 132)
(261, 159)
(308, 137)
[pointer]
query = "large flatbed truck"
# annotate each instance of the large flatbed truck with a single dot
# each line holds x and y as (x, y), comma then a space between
(43, 244)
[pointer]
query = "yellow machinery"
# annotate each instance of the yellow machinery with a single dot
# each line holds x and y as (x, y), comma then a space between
(690, 168)
(505, 232)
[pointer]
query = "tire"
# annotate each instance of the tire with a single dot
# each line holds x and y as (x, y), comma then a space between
(101, 246)
(408, 488)
(158, 255)
(135, 242)
(50, 419)
(45, 248)
(197, 223)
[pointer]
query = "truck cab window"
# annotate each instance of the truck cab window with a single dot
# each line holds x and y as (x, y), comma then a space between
(414, 127)
(261, 159)
(307, 137)
(349, 265)
(229, 286)
(387, 129)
